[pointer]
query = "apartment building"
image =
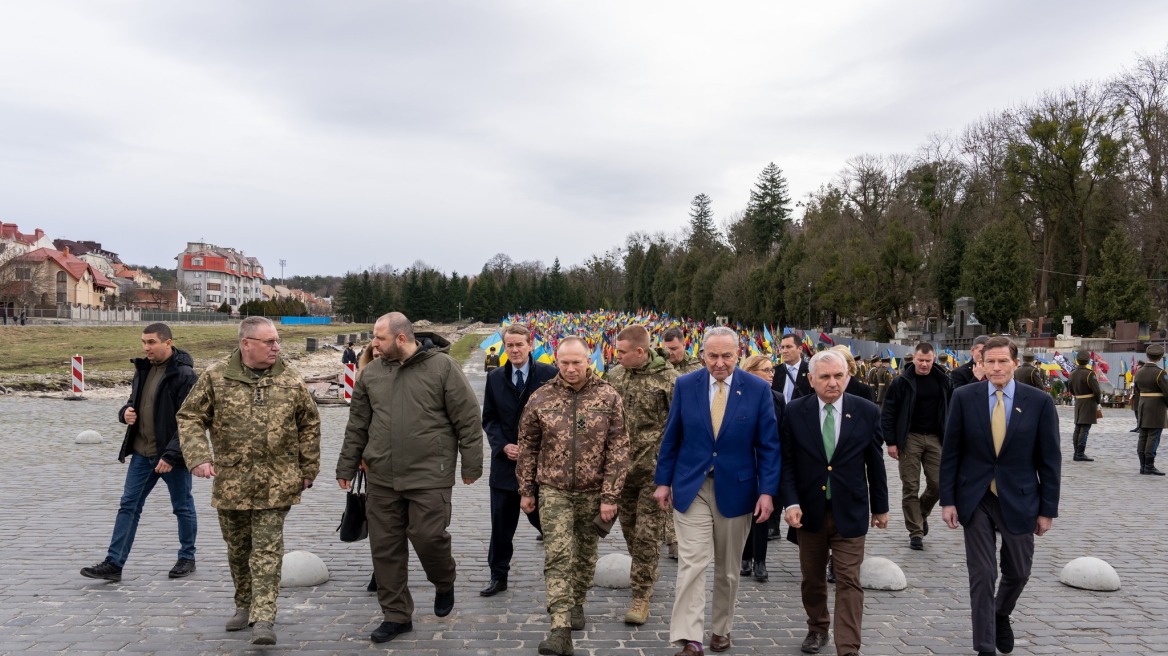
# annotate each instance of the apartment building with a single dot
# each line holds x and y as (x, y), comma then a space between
(212, 275)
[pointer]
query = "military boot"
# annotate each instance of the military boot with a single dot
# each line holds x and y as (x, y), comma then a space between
(238, 621)
(1143, 463)
(639, 613)
(263, 634)
(1151, 460)
(559, 643)
(577, 618)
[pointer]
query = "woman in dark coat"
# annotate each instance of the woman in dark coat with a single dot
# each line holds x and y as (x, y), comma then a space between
(755, 550)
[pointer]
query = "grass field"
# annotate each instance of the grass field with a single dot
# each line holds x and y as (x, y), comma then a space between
(47, 349)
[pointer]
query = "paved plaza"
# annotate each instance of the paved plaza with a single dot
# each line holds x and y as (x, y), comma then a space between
(58, 500)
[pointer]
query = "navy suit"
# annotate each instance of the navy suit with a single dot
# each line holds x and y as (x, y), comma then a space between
(1026, 472)
(802, 383)
(503, 404)
(716, 483)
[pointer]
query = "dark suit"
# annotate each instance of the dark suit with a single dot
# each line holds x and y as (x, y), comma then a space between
(962, 376)
(716, 482)
(756, 543)
(859, 489)
(782, 379)
(1027, 475)
(503, 404)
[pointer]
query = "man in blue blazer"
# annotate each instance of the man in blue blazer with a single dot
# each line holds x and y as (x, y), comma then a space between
(999, 475)
(506, 393)
(833, 476)
(719, 465)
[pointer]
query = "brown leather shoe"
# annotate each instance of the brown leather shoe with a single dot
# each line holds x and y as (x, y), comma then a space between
(813, 642)
(719, 643)
(690, 649)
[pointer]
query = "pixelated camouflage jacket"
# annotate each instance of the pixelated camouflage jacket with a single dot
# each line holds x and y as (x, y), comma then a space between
(574, 440)
(688, 365)
(265, 434)
(646, 393)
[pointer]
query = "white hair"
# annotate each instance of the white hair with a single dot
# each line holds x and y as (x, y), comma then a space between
(826, 355)
(719, 331)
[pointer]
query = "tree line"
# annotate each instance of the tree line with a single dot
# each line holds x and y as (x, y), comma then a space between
(1052, 207)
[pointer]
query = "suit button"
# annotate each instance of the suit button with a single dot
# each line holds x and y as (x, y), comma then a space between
(823, 488)
(715, 454)
(829, 468)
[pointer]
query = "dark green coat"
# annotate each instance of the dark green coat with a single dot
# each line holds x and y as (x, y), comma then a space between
(1151, 385)
(1084, 383)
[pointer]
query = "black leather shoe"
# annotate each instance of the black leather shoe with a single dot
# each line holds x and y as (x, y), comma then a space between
(830, 572)
(444, 603)
(916, 543)
(390, 630)
(1004, 634)
(493, 588)
(372, 587)
(103, 570)
(926, 526)
(813, 642)
(184, 567)
(745, 571)
(760, 573)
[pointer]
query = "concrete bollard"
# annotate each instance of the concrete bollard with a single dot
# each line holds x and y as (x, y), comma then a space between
(340, 340)
(881, 574)
(1089, 573)
(310, 344)
(613, 571)
(303, 569)
(89, 437)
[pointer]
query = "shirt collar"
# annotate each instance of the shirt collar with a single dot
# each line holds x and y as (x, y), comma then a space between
(714, 382)
(837, 406)
(1007, 391)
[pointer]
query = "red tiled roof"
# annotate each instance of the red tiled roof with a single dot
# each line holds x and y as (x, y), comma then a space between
(69, 262)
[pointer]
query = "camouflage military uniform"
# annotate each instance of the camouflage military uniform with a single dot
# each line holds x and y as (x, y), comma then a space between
(646, 393)
(265, 441)
(573, 444)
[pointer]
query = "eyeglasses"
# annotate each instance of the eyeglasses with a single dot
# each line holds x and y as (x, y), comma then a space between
(766, 370)
(270, 343)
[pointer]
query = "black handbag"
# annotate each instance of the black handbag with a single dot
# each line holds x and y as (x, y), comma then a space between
(353, 527)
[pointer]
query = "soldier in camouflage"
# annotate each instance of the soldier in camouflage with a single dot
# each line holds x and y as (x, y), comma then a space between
(680, 359)
(644, 380)
(264, 451)
(573, 445)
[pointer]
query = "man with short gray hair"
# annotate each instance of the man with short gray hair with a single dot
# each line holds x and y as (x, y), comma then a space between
(263, 452)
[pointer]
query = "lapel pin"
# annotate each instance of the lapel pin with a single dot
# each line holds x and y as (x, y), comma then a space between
(1018, 410)
(847, 416)
(738, 392)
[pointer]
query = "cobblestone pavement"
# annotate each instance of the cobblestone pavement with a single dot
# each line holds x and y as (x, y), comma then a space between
(58, 500)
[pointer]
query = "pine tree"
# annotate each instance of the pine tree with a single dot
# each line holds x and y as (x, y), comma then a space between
(703, 235)
(998, 273)
(1120, 292)
(768, 211)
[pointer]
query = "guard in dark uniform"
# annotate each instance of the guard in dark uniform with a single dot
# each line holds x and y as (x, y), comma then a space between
(1029, 373)
(492, 361)
(880, 378)
(1084, 386)
(1151, 392)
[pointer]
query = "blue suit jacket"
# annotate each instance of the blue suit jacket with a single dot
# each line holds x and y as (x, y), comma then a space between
(1027, 469)
(745, 457)
(859, 483)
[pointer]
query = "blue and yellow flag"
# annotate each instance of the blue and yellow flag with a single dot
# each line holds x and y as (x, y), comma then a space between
(597, 361)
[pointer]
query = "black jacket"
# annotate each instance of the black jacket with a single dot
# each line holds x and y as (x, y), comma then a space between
(176, 382)
(802, 383)
(502, 406)
(962, 375)
(896, 413)
(856, 387)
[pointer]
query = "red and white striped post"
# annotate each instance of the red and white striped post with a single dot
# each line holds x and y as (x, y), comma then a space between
(349, 374)
(78, 375)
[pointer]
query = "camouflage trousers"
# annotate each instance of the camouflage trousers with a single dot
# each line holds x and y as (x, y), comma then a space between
(641, 522)
(569, 542)
(255, 552)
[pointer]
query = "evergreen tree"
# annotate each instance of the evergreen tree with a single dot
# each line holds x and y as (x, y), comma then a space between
(1120, 292)
(998, 273)
(648, 277)
(768, 211)
(703, 235)
(947, 274)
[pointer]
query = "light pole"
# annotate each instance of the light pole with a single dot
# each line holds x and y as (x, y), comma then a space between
(282, 263)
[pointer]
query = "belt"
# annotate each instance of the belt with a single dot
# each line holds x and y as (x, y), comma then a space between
(1149, 395)
(1084, 396)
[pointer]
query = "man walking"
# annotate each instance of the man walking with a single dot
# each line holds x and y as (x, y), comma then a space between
(913, 421)
(162, 381)
(1151, 401)
(833, 475)
(674, 346)
(413, 415)
(572, 445)
(972, 371)
(1084, 386)
(791, 374)
(507, 391)
(264, 451)
(999, 475)
(718, 466)
(349, 356)
(645, 382)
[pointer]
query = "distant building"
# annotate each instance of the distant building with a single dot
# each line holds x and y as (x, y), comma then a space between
(14, 243)
(48, 278)
(162, 300)
(138, 277)
(214, 275)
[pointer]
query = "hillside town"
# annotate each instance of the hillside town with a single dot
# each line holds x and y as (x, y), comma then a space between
(43, 277)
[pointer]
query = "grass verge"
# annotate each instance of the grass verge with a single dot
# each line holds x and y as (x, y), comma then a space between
(461, 349)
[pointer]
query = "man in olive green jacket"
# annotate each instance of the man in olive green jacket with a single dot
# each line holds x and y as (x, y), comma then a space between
(413, 413)
(264, 450)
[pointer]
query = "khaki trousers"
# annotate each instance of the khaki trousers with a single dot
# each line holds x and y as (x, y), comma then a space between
(421, 516)
(704, 534)
(921, 451)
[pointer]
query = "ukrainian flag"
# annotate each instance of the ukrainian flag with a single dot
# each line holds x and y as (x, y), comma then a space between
(597, 361)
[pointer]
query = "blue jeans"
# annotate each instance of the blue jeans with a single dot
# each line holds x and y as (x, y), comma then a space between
(140, 480)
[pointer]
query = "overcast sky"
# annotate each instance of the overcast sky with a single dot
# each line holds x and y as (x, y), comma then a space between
(338, 135)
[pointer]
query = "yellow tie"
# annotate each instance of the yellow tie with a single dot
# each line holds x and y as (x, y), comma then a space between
(998, 429)
(718, 407)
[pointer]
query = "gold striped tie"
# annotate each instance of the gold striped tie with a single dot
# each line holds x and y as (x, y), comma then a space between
(998, 429)
(718, 407)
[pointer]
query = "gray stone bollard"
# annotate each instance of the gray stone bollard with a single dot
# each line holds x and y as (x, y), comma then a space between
(881, 574)
(89, 437)
(613, 570)
(1089, 573)
(341, 340)
(310, 344)
(303, 569)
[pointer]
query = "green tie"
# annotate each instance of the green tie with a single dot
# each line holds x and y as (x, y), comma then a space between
(829, 440)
